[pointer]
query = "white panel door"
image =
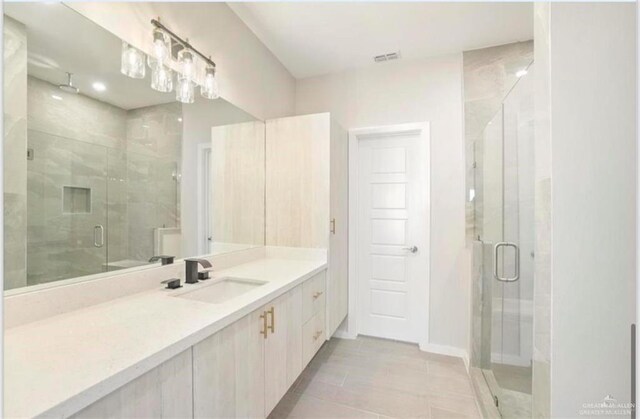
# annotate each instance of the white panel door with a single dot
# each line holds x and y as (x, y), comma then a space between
(392, 218)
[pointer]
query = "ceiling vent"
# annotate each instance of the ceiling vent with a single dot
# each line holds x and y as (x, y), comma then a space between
(386, 57)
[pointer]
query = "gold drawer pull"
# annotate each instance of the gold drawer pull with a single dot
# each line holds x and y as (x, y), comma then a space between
(263, 316)
(317, 294)
(273, 319)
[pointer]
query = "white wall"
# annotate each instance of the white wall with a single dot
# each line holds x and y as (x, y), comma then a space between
(197, 120)
(592, 99)
(401, 92)
(249, 74)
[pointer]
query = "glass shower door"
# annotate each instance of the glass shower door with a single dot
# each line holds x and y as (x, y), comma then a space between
(66, 208)
(508, 227)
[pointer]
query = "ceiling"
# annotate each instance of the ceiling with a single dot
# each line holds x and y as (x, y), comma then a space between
(312, 39)
(60, 40)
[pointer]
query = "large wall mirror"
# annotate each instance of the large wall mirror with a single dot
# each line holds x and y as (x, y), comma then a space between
(101, 172)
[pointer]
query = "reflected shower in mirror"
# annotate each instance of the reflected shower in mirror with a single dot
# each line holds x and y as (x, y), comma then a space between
(101, 172)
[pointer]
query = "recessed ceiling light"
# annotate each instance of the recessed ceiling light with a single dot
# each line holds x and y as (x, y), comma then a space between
(56, 97)
(99, 86)
(521, 73)
(179, 119)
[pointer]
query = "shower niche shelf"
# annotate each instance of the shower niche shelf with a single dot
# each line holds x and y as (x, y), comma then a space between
(76, 200)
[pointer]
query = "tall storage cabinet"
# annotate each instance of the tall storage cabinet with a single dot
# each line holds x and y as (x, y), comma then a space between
(307, 197)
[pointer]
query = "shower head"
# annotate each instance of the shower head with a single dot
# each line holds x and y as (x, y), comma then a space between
(69, 87)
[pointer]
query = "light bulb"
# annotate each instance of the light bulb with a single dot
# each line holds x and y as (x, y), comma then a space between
(185, 58)
(209, 89)
(161, 45)
(132, 62)
(162, 79)
(185, 90)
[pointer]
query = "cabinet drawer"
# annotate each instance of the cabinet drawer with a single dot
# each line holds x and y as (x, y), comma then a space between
(313, 296)
(313, 336)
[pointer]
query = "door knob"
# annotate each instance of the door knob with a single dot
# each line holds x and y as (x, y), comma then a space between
(412, 249)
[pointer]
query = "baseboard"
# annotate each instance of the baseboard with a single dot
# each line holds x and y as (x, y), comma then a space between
(447, 350)
(342, 334)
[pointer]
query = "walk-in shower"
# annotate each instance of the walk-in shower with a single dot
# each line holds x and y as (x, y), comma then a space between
(502, 323)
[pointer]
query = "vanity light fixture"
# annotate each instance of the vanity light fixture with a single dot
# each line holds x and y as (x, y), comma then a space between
(161, 46)
(185, 59)
(167, 46)
(188, 59)
(209, 88)
(162, 78)
(132, 62)
(185, 90)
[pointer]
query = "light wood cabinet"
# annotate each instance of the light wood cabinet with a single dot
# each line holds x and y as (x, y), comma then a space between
(242, 371)
(228, 371)
(163, 392)
(275, 353)
(294, 335)
(307, 197)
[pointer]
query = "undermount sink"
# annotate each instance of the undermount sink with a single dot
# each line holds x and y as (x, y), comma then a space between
(221, 290)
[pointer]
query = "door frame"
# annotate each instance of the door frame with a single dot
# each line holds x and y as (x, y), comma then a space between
(203, 197)
(422, 129)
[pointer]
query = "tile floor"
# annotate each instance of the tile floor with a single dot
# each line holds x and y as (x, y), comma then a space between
(376, 378)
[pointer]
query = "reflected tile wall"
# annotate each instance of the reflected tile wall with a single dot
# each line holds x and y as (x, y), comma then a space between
(154, 146)
(15, 151)
(76, 117)
(85, 143)
(61, 245)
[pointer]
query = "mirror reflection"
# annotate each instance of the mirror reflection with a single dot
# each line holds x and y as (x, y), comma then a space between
(94, 161)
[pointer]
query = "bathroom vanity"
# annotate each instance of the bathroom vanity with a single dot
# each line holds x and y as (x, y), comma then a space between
(161, 353)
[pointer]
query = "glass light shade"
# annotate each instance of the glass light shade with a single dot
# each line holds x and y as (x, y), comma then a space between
(132, 62)
(161, 46)
(162, 79)
(209, 88)
(185, 90)
(185, 58)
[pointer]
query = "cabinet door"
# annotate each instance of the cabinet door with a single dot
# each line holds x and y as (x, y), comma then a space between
(228, 371)
(294, 334)
(214, 376)
(249, 348)
(163, 392)
(337, 276)
(275, 353)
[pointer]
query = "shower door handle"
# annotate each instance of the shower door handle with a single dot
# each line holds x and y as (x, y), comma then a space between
(98, 235)
(496, 275)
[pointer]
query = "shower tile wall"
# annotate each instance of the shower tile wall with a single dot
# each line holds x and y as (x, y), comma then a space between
(82, 142)
(15, 144)
(70, 139)
(154, 141)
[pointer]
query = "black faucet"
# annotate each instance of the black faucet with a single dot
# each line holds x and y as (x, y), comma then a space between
(164, 259)
(192, 274)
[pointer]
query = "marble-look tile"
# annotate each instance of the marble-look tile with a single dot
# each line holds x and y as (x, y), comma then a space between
(77, 117)
(15, 149)
(129, 161)
(301, 406)
(385, 378)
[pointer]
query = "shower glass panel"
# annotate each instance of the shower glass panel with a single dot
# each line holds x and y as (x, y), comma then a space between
(67, 211)
(507, 233)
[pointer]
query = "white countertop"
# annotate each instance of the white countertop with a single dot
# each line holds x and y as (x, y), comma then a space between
(59, 365)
